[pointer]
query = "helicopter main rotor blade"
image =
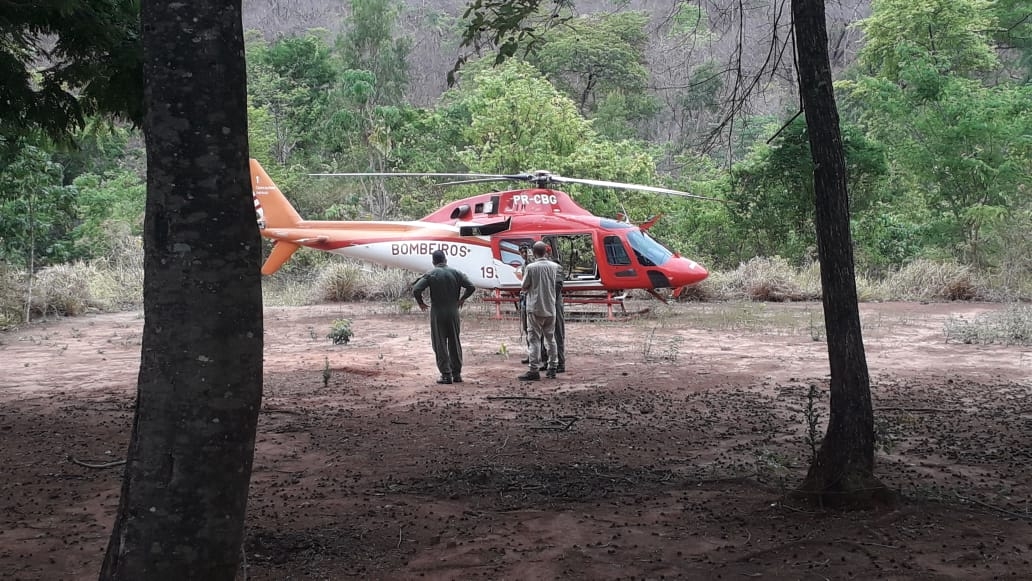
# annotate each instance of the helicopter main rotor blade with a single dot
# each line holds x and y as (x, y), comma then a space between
(413, 174)
(623, 186)
(476, 181)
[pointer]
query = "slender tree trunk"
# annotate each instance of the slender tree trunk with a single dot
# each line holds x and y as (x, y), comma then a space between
(184, 493)
(843, 472)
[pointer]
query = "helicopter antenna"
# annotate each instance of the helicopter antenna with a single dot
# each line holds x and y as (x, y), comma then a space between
(623, 209)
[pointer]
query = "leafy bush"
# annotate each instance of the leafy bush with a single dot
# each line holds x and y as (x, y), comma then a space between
(341, 332)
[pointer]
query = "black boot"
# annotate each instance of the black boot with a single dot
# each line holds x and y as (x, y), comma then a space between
(530, 376)
(444, 379)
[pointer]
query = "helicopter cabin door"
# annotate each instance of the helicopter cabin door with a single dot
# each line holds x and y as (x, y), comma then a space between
(576, 256)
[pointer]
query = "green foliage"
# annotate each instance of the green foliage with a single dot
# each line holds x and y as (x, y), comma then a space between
(772, 201)
(290, 80)
(62, 61)
(341, 332)
(951, 34)
(962, 151)
(689, 20)
(37, 211)
(109, 207)
(368, 43)
(599, 62)
(1014, 33)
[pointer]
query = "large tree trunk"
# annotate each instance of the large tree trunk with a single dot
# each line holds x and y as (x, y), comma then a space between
(843, 472)
(184, 493)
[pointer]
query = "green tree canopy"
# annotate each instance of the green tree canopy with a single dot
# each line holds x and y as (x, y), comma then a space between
(950, 34)
(64, 60)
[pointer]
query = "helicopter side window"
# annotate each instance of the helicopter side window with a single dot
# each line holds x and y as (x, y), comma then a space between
(616, 254)
(646, 250)
(509, 250)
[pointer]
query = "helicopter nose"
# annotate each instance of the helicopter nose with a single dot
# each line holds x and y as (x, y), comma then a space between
(686, 272)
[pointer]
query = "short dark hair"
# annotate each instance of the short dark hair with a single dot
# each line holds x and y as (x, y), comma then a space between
(438, 257)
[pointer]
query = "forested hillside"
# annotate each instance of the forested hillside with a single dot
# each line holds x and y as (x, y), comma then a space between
(935, 98)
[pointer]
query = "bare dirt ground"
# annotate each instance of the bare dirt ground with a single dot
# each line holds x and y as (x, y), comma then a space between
(665, 452)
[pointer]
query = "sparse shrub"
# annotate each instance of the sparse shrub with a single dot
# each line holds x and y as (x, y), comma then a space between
(1011, 325)
(931, 280)
(341, 332)
(812, 415)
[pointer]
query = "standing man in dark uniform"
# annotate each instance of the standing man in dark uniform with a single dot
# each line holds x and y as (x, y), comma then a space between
(445, 283)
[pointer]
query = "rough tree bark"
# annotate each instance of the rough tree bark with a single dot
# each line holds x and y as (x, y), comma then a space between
(184, 492)
(843, 471)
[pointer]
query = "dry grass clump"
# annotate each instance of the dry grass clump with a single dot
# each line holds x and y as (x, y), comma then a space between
(1011, 325)
(769, 279)
(706, 291)
(111, 283)
(387, 284)
(338, 282)
(345, 281)
(64, 289)
(931, 280)
(286, 290)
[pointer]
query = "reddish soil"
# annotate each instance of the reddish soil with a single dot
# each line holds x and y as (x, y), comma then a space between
(665, 452)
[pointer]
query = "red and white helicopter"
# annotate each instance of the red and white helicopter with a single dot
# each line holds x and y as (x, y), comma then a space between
(601, 258)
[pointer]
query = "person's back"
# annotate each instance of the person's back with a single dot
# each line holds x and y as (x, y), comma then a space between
(445, 284)
(539, 282)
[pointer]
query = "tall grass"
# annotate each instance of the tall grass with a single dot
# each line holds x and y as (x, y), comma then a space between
(936, 281)
(115, 282)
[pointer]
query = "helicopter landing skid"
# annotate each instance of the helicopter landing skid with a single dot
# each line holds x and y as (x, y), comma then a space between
(607, 298)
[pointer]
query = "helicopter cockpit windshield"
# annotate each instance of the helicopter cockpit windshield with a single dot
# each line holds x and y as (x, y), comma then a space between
(648, 251)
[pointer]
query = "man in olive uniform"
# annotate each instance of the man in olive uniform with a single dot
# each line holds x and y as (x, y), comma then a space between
(445, 283)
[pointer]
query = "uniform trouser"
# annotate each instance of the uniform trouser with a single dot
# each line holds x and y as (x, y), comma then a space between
(542, 338)
(444, 337)
(560, 332)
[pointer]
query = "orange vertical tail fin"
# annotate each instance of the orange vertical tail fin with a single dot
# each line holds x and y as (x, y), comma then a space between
(274, 211)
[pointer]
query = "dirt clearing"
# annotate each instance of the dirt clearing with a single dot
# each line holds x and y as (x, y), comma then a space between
(663, 453)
